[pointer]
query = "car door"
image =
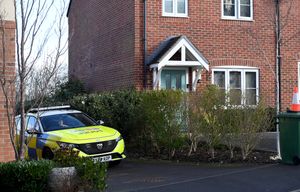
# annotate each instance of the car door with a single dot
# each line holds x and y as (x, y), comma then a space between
(32, 131)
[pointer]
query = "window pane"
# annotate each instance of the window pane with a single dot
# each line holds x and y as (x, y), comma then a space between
(183, 81)
(32, 124)
(168, 6)
(235, 96)
(181, 6)
(251, 97)
(174, 82)
(250, 80)
(228, 2)
(222, 95)
(229, 7)
(219, 78)
(245, 2)
(235, 79)
(165, 80)
(245, 11)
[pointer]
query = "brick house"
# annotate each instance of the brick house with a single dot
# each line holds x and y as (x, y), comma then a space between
(8, 26)
(185, 44)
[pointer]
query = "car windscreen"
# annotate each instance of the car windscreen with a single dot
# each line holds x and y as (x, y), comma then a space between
(66, 121)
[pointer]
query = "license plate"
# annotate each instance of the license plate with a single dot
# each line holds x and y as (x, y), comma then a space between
(102, 159)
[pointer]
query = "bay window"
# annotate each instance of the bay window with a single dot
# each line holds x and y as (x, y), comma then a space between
(241, 85)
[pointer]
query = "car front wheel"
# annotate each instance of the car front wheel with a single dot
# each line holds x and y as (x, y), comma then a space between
(47, 153)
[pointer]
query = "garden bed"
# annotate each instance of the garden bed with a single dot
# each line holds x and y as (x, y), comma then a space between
(222, 156)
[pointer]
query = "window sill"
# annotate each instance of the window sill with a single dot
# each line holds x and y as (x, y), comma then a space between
(176, 16)
(236, 19)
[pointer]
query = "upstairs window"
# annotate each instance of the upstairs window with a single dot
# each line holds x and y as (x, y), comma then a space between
(237, 9)
(175, 8)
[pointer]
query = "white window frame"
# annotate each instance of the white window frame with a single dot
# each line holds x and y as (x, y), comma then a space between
(237, 11)
(243, 71)
(175, 14)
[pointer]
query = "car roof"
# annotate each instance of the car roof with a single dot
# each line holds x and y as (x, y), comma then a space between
(56, 112)
(52, 112)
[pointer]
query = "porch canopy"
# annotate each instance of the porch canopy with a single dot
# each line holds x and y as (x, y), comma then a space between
(175, 52)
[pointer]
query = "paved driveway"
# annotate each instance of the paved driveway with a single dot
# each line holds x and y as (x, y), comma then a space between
(165, 176)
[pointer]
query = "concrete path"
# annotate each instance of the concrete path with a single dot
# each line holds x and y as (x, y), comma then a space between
(269, 142)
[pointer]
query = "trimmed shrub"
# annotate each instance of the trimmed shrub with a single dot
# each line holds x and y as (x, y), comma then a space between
(205, 110)
(164, 116)
(117, 109)
(161, 122)
(25, 175)
(67, 91)
(92, 175)
(251, 121)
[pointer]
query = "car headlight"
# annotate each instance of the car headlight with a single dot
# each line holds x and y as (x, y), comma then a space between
(119, 138)
(66, 145)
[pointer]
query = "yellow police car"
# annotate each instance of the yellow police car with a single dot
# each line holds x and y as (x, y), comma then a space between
(49, 129)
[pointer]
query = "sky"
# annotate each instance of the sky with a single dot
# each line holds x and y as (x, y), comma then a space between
(52, 21)
(49, 30)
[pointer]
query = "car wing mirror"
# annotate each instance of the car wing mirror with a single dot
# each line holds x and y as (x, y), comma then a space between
(32, 131)
(100, 122)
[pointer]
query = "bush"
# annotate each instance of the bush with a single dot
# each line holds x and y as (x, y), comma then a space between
(25, 175)
(68, 90)
(154, 122)
(147, 120)
(165, 119)
(205, 111)
(92, 175)
(251, 121)
(117, 109)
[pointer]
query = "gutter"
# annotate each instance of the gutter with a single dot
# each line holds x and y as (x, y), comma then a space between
(145, 43)
(69, 7)
(278, 53)
(278, 73)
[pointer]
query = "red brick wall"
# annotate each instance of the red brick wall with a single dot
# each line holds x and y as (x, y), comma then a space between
(6, 149)
(290, 51)
(229, 42)
(101, 43)
(106, 42)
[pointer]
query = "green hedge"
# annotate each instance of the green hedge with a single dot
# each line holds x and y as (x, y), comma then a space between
(34, 175)
(150, 122)
(162, 122)
(117, 109)
(92, 175)
(25, 175)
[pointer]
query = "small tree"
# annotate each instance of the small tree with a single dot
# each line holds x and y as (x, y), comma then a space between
(30, 46)
(210, 108)
(230, 126)
(165, 118)
(252, 121)
(194, 127)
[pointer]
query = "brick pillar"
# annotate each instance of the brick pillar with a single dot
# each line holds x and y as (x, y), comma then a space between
(6, 149)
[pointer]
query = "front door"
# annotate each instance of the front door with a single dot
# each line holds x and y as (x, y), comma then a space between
(173, 79)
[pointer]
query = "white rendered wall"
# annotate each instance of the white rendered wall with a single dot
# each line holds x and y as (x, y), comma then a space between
(7, 10)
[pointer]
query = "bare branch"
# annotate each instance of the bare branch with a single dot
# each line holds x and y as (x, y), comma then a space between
(30, 43)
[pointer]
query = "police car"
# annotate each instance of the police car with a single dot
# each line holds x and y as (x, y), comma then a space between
(51, 128)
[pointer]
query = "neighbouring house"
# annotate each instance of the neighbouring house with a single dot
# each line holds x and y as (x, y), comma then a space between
(186, 44)
(7, 71)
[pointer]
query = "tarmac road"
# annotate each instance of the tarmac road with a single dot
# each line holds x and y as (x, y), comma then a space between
(164, 176)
